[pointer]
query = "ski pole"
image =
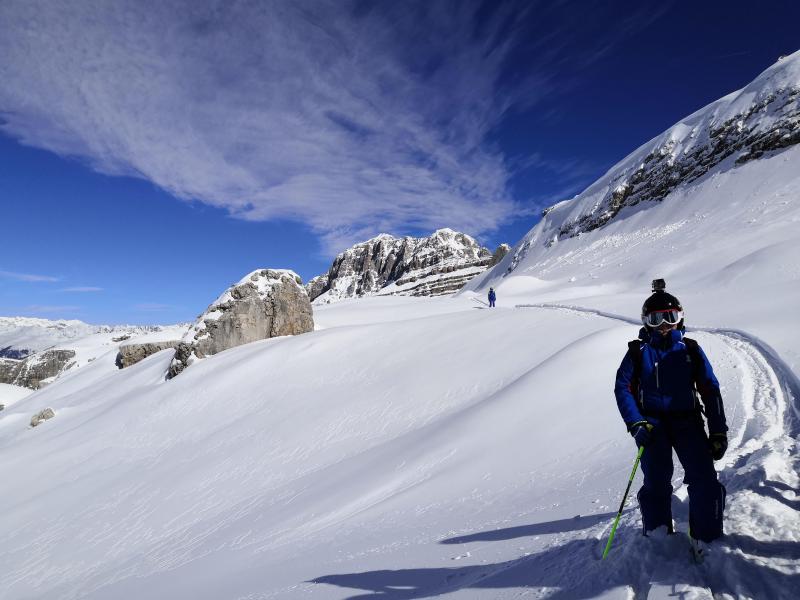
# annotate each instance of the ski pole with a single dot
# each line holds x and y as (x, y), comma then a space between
(622, 504)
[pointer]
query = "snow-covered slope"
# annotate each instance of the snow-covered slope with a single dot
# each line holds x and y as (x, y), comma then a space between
(441, 448)
(9, 394)
(422, 447)
(385, 265)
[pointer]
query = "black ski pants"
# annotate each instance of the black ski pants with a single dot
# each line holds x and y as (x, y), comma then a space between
(686, 435)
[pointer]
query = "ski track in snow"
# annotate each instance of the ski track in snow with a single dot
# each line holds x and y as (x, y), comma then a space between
(760, 464)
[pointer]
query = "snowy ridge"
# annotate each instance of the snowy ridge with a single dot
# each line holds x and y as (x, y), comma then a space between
(30, 334)
(761, 118)
(21, 336)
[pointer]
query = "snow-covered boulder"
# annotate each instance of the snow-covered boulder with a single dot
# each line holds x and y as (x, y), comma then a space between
(428, 266)
(44, 415)
(266, 303)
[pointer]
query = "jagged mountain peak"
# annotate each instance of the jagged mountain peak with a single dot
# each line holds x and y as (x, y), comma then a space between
(427, 266)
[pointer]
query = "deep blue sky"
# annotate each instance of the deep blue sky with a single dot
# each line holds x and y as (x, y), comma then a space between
(151, 154)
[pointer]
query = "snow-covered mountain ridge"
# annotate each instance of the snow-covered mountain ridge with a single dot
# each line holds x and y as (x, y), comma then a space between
(385, 265)
(761, 118)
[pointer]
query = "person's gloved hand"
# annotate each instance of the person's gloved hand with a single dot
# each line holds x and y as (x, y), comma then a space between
(641, 432)
(719, 444)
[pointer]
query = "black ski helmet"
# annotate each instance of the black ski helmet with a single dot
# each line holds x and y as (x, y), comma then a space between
(661, 300)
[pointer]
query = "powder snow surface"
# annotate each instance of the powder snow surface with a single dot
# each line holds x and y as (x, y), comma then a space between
(418, 447)
(12, 393)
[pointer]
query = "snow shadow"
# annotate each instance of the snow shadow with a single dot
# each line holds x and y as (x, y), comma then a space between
(574, 571)
(550, 527)
(772, 489)
(766, 549)
(546, 569)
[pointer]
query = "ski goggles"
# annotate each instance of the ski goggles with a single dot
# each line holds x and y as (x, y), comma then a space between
(657, 317)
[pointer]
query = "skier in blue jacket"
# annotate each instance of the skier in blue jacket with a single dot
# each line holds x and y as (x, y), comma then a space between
(657, 389)
(492, 297)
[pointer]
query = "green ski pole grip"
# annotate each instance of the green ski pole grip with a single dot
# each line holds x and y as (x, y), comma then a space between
(622, 504)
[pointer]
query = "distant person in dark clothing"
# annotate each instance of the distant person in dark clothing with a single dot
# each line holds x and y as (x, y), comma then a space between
(492, 297)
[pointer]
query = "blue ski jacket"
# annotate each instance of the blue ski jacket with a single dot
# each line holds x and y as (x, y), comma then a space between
(492, 296)
(669, 384)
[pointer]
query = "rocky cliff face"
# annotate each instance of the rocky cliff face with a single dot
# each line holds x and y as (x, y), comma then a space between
(429, 266)
(764, 117)
(33, 372)
(264, 304)
(759, 120)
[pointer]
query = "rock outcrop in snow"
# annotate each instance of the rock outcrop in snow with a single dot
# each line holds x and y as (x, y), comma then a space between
(41, 416)
(33, 371)
(429, 266)
(130, 354)
(266, 303)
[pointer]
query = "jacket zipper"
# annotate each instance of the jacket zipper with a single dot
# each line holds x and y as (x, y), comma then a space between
(657, 384)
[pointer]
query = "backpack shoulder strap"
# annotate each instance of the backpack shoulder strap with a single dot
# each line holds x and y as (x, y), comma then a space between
(635, 351)
(693, 348)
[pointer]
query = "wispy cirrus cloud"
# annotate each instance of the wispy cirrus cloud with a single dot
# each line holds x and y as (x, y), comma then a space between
(350, 117)
(81, 289)
(44, 309)
(28, 277)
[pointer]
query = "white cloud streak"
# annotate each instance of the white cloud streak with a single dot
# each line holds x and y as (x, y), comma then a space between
(353, 118)
(28, 277)
(81, 289)
(44, 309)
(347, 122)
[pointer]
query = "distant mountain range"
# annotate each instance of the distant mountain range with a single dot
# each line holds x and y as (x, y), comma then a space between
(34, 352)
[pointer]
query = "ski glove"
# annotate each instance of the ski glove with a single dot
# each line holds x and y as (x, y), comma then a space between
(641, 432)
(719, 444)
